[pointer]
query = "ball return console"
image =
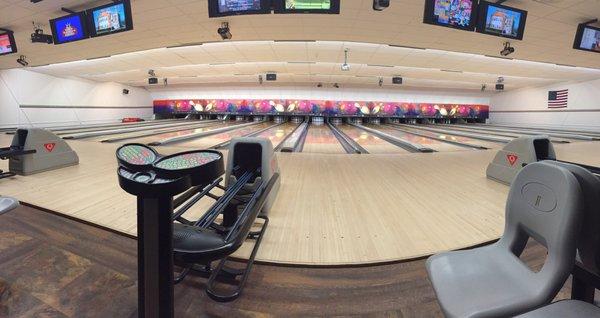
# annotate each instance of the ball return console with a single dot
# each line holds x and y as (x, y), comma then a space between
(167, 187)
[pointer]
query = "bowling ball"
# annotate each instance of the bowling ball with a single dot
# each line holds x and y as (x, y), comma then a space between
(220, 106)
(348, 108)
(315, 108)
(364, 110)
(263, 106)
(389, 109)
(304, 106)
(279, 108)
(463, 110)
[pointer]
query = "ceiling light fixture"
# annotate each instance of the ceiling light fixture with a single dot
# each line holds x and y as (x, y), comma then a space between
(224, 31)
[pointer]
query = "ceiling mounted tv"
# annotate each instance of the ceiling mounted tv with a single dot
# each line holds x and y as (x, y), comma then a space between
(69, 28)
(307, 6)
(110, 19)
(222, 8)
(500, 20)
(587, 38)
(7, 43)
(458, 14)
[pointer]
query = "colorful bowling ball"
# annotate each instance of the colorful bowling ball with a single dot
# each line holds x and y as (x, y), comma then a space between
(292, 106)
(279, 108)
(304, 106)
(389, 108)
(463, 110)
(220, 106)
(263, 106)
(427, 110)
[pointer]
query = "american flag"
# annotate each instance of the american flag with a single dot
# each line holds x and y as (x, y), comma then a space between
(558, 99)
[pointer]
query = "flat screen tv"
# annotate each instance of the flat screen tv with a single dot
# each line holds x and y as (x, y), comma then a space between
(110, 19)
(221, 8)
(307, 6)
(500, 20)
(69, 28)
(458, 14)
(587, 38)
(7, 43)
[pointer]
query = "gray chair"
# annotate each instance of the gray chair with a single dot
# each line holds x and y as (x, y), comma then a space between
(7, 204)
(564, 309)
(545, 203)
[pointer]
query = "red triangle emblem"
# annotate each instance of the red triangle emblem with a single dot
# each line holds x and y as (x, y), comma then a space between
(50, 146)
(512, 158)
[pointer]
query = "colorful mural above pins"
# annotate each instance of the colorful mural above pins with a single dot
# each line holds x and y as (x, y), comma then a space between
(320, 107)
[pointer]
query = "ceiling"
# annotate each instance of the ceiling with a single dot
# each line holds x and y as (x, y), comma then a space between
(308, 48)
(311, 62)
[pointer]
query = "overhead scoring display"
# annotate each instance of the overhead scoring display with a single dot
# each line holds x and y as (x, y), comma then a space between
(460, 14)
(69, 28)
(110, 18)
(307, 6)
(220, 8)
(104, 20)
(500, 20)
(7, 43)
(587, 38)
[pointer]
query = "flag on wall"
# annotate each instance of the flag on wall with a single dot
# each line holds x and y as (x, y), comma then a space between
(558, 99)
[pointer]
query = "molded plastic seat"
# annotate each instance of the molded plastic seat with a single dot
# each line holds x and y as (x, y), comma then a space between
(545, 203)
(8, 204)
(565, 308)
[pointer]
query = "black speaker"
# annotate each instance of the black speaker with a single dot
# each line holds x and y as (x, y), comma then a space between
(499, 87)
(125, 91)
(397, 80)
(153, 80)
(271, 77)
(379, 5)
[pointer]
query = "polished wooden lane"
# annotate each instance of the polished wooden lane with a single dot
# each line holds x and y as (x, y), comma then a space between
(278, 134)
(331, 209)
(453, 138)
(209, 141)
(427, 142)
(320, 139)
(55, 267)
(371, 143)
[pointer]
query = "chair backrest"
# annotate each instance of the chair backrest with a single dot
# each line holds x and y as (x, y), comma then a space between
(588, 242)
(545, 203)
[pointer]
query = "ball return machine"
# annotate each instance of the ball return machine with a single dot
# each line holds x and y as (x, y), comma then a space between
(167, 187)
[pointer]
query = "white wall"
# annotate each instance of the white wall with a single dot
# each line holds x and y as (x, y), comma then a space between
(529, 106)
(33, 99)
(303, 92)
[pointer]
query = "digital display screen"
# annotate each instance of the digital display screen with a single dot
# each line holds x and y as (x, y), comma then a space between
(226, 6)
(7, 44)
(590, 40)
(110, 19)
(308, 4)
(500, 20)
(68, 29)
(458, 13)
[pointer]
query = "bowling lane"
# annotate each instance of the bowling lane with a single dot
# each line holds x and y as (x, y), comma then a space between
(370, 142)
(320, 139)
(277, 134)
(149, 139)
(427, 142)
(209, 141)
(152, 130)
(124, 126)
(460, 139)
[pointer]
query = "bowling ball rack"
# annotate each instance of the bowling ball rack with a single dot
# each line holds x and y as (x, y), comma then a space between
(166, 188)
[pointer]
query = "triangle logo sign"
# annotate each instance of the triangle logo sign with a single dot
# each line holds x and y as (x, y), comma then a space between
(49, 146)
(512, 158)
